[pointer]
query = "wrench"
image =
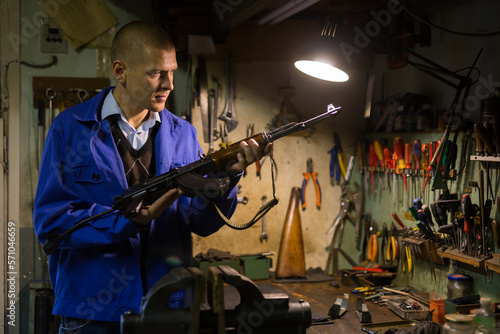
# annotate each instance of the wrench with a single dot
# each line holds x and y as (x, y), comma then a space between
(51, 94)
(212, 118)
(263, 236)
(229, 115)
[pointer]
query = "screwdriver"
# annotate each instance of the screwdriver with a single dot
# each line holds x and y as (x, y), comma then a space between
(387, 164)
(421, 223)
(468, 220)
(407, 170)
(433, 145)
(359, 154)
(396, 218)
(424, 164)
(417, 153)
(362, 153)
(495, 229)
(379, 151)
(428, 215)
(399, 157)
(449, 231)
(432, 149)
(373, 163)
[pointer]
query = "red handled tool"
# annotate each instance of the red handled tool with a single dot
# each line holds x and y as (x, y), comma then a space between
(388, 164)
(379, 152)
(396, 218)
(468, 219)
(418, 155)
(399, 155)
(424, 165)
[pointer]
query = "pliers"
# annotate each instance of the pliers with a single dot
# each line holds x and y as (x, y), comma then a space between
(338, 162)
(393, 245)
(372, 249)
(307, 175)
(408, 260)
(384, 246)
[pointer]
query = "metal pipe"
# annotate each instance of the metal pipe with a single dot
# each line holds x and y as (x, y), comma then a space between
(278, 11)
(286, 10)
(294, 11)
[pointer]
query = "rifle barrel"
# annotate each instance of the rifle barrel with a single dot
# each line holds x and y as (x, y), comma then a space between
(290, 128)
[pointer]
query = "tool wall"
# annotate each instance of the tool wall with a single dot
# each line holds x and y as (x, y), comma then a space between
(442, 229)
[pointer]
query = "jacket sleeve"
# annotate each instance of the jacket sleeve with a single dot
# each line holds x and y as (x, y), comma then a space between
(195, 211)
(70, 189)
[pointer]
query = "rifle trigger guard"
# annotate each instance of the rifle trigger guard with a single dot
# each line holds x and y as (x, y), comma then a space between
(196, 185)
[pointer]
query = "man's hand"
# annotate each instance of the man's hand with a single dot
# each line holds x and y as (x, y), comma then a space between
(251, 154)
(153, 211)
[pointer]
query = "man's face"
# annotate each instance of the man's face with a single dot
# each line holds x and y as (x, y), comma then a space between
(150, 81)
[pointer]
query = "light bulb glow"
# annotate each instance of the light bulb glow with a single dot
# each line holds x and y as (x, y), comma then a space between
(321, 70)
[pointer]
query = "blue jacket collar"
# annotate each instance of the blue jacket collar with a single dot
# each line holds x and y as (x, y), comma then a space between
(86, 112)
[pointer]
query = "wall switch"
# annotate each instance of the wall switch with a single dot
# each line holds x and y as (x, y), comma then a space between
(51, 39)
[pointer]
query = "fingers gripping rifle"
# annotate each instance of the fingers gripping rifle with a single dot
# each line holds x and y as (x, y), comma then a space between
(192, 180)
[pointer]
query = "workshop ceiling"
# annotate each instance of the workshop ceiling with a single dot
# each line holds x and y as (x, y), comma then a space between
(218, 18)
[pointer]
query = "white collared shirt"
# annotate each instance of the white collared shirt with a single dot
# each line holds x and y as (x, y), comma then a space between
(136, 137)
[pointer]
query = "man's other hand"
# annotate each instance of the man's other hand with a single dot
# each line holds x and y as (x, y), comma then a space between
(153, 211)
(251, 153)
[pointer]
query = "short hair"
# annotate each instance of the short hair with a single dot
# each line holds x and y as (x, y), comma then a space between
(133, 38)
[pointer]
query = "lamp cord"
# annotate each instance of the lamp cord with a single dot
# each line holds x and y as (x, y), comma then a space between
(495, 33)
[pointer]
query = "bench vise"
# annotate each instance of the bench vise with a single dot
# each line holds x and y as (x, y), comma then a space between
(205, 311)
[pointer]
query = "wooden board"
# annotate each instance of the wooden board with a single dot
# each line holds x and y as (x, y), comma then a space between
(454, 254)
(66, 89)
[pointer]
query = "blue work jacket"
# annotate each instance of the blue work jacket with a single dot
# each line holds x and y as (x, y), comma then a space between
(95, 271)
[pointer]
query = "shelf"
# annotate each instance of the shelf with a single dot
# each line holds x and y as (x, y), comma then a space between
(493, 264)
(487, 159)
(423, 246)
(454, 254)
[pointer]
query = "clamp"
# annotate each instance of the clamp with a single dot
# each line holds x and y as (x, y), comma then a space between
(314, 175)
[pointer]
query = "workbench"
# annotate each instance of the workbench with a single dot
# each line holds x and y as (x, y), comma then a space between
(321, 296)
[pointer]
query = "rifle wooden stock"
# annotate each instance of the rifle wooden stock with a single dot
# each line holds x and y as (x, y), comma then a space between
(227, 156)
(291, 257)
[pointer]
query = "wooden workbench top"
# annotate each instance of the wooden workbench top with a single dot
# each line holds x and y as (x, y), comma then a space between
(322, 295)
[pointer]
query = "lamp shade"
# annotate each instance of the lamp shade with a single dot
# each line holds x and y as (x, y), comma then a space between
(324, 60)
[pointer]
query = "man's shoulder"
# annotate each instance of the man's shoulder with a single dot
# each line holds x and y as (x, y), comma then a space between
(85, 111)
(174, 120)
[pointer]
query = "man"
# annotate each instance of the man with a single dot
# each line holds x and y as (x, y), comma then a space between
(95, 151)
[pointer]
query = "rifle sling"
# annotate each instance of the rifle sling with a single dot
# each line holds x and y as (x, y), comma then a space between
(261, 213)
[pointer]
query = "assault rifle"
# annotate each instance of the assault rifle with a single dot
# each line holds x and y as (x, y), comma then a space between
(189, 178)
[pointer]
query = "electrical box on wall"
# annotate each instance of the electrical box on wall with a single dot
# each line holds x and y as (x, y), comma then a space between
(51, 39)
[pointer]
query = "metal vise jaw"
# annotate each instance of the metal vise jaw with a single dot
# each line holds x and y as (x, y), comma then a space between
(257, 313)
(270, 313)
(156, 316)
